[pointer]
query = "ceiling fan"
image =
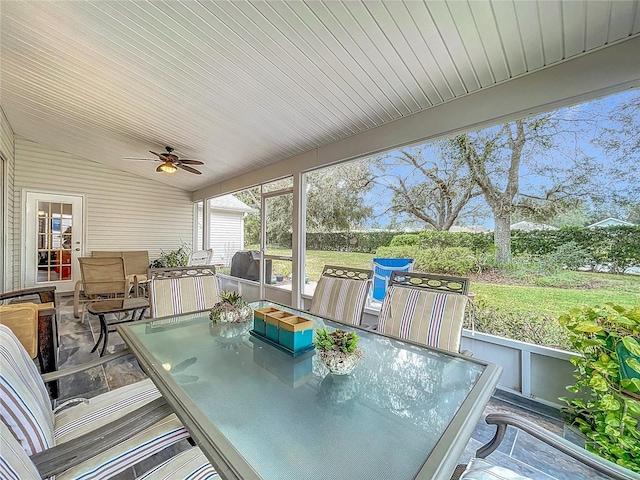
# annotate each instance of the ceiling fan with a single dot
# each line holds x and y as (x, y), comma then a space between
(171, 162)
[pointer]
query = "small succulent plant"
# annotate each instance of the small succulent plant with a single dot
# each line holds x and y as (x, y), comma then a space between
(339, 340)
(234, 298)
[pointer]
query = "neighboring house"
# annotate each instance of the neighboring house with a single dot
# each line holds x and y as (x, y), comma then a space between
(226, 227)
(470, 229)
(611, 222)
(529, 226)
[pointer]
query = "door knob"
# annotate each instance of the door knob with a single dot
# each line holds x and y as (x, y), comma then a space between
(77, 249)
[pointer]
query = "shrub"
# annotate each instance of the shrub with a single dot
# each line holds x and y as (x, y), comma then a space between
(603, 412)
(173, 258)
(453, 261)
(533, 328)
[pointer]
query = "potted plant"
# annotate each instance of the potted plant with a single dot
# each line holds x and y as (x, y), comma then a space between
(338, 350)
(606, 408)
(231, 309)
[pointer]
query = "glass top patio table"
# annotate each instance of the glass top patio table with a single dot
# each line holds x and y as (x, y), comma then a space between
(405, 412)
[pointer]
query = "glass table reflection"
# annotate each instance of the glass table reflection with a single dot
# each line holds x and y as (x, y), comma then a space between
(405, 412)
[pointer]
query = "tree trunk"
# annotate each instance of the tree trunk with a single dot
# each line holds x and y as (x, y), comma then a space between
(502, 238)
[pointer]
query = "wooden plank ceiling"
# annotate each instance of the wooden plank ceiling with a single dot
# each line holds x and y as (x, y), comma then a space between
(239, 85)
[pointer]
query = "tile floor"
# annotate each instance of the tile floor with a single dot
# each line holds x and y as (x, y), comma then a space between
(518, 451)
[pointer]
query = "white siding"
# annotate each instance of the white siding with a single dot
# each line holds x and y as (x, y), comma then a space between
(123, 211)
(226, 235)
(7, 152)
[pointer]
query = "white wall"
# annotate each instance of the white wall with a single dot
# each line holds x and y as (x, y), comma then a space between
(226, 235)
(7, 262)
(123, 211)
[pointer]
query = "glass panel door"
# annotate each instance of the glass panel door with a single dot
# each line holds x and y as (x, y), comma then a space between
(277, 209)
(53, 239)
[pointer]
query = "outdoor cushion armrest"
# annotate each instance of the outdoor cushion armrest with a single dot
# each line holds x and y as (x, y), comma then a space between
(585, 457)
(50, 377)
(57, 459)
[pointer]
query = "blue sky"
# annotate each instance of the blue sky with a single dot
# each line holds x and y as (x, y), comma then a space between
(567, 150)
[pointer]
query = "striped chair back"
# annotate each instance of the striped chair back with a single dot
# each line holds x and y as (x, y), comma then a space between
(14, 462)
(184, 293)
(341, 294)
(25, 407)
(432, 317)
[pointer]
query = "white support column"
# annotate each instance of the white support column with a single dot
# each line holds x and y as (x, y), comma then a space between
(206, 219)
(298, 239)
(525, 373)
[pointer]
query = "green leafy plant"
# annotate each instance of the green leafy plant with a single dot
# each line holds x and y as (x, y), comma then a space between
(337, 340)
(606, 408)
(230, 309)
(173, 258)
(234, 298)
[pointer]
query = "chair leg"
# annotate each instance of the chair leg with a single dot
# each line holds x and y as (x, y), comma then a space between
(76, 299)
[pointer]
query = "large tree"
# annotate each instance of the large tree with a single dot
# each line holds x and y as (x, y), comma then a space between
(537, 165)
(335, 202)
(428, 184)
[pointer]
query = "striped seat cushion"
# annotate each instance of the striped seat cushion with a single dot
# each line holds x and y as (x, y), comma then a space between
(25, 407)
(14, 462)
(173, 296)
(433, 319)
(188, 465)
(127, 454)
(104, 409)
(340, 299)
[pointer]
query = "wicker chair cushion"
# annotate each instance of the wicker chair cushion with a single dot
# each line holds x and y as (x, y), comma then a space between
(340, 299)
(480, 469)
(190, 465)
(24, 402)
(22, 319)
(433, 319)
(174, 296)
(14, 462)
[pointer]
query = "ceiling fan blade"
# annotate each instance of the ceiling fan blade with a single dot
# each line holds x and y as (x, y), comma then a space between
(188, 169)
(191, 162)
(159, 155)
(140, 158)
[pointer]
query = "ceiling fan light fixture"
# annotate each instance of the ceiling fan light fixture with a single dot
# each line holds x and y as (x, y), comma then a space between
(168, 167)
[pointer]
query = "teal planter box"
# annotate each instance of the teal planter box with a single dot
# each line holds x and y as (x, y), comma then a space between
(295, 333)
(259, 322)
(272, 321)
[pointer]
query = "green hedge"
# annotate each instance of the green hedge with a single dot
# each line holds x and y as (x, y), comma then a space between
(364, 242)
(617, 246)
(478, 242)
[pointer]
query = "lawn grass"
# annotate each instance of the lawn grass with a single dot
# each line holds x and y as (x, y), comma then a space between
(619, 289)
(550, 301)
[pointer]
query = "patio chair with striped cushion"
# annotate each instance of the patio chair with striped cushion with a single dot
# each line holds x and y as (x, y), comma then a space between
(15, 464)
(425, 308)
(341, 294)
(26, 410)
(173, 291)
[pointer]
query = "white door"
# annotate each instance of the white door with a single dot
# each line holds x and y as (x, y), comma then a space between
(54, 231)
